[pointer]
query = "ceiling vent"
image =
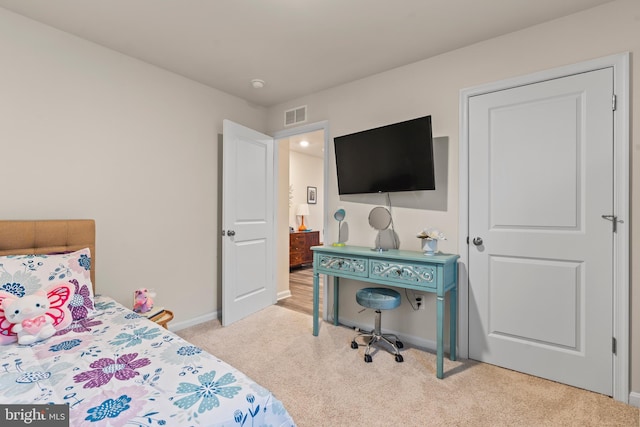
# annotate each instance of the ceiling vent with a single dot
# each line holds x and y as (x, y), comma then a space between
(295, 116)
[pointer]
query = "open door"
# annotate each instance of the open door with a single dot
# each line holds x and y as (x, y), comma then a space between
(248, 218)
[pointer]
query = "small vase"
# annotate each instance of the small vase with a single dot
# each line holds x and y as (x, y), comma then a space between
(429, 246)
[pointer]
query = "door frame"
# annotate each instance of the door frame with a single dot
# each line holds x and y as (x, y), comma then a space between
(621, 327)
(286, 133)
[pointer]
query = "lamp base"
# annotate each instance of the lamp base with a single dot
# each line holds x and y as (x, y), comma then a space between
(302, 226)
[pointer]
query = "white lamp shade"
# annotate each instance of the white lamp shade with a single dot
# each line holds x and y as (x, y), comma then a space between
(303, 209)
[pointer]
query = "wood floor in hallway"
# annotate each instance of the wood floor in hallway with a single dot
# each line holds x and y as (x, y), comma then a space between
(301, 287)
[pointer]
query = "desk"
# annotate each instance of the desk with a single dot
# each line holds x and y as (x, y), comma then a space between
(401, 269)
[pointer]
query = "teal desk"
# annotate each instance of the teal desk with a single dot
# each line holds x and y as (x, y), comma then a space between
(437, 274)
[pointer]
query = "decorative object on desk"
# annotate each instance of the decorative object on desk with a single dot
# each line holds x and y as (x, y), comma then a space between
(312, 195)
(143, 300)
(429, 238)
(301, 211)
(339, 216)
(380, 219)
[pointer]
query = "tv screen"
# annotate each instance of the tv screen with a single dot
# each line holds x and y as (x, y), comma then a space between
(396, 157)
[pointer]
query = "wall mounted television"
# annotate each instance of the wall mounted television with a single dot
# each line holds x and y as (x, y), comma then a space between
(391, 158)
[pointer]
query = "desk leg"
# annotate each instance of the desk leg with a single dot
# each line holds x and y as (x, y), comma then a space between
(316, 302)
(440, 336)
(336, 299)
(453, 323)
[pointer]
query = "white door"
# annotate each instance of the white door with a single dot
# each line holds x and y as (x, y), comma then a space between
(248, 249)
(540, 179)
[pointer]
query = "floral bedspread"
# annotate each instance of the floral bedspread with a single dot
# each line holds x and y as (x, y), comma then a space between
(116, 368)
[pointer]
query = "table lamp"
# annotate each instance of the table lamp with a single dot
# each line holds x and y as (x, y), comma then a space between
(303, 209)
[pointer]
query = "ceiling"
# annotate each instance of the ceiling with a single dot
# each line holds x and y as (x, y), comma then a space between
(297, 47)
(314, 146)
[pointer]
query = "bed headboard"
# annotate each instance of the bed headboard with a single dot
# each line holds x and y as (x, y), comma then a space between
(49, 236)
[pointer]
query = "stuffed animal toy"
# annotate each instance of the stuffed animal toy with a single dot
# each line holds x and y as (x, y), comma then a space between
(143, 300)
(34, 317)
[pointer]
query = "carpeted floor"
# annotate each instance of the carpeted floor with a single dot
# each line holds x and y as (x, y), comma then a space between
(323, 382)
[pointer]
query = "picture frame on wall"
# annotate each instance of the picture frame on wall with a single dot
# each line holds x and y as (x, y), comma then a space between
(312, 195)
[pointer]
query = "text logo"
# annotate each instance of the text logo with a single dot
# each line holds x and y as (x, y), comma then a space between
(34, 415)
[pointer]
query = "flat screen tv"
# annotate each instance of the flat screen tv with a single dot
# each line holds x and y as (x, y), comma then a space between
(396, 157)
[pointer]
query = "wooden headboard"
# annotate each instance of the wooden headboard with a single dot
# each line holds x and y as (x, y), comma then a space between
(49, 236)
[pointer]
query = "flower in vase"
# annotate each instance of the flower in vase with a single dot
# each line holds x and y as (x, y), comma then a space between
(431, 234)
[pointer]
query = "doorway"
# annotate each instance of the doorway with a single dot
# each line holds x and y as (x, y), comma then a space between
(301, 165)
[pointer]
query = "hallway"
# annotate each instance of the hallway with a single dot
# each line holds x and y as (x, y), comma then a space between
(301, 286)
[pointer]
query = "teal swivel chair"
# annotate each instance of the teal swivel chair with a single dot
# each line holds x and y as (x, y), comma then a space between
(378, 299)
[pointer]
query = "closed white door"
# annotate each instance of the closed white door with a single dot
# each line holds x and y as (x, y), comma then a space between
(248, 248)
(540, 255)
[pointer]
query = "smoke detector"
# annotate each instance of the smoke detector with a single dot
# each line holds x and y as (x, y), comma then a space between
(257, 83)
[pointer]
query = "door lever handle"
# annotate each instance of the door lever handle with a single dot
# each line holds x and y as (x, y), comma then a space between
(614, 220)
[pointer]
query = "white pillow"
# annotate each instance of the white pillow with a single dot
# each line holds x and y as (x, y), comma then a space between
(26, 274)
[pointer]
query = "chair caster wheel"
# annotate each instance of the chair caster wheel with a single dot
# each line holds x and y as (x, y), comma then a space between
(399, 358)
(367, 358)
(354, 344)
(399, 344)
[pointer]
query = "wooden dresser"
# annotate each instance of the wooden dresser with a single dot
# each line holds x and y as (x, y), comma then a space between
(299, 244)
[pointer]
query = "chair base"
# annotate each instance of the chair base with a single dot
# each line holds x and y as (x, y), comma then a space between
(376, 336)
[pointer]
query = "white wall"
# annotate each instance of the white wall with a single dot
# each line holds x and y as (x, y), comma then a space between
(89, 133)
(433, 87)
(306, 171)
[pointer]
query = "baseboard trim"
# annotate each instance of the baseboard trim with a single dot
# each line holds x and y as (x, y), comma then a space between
(176, 326)
(634, 399)
(284, 294)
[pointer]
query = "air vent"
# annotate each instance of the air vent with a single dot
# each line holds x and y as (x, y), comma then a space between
(295, 115)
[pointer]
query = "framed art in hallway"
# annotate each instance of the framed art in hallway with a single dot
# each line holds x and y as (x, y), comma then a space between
(312, 195)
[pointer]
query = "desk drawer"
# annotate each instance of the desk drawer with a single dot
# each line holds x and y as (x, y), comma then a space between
(346, 265)
(404, 273)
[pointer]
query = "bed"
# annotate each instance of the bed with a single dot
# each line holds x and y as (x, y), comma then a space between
(110, 366)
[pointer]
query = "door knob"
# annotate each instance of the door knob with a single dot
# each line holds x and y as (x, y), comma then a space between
(231, 233)
(477, 241)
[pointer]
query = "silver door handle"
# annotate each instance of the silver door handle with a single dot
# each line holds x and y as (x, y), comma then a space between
(614, 219)
(477, 241)
(231, 233)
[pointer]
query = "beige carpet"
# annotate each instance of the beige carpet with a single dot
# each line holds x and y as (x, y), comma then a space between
(323, 382)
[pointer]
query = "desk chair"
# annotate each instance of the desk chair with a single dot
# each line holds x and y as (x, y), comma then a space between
(378, 299)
